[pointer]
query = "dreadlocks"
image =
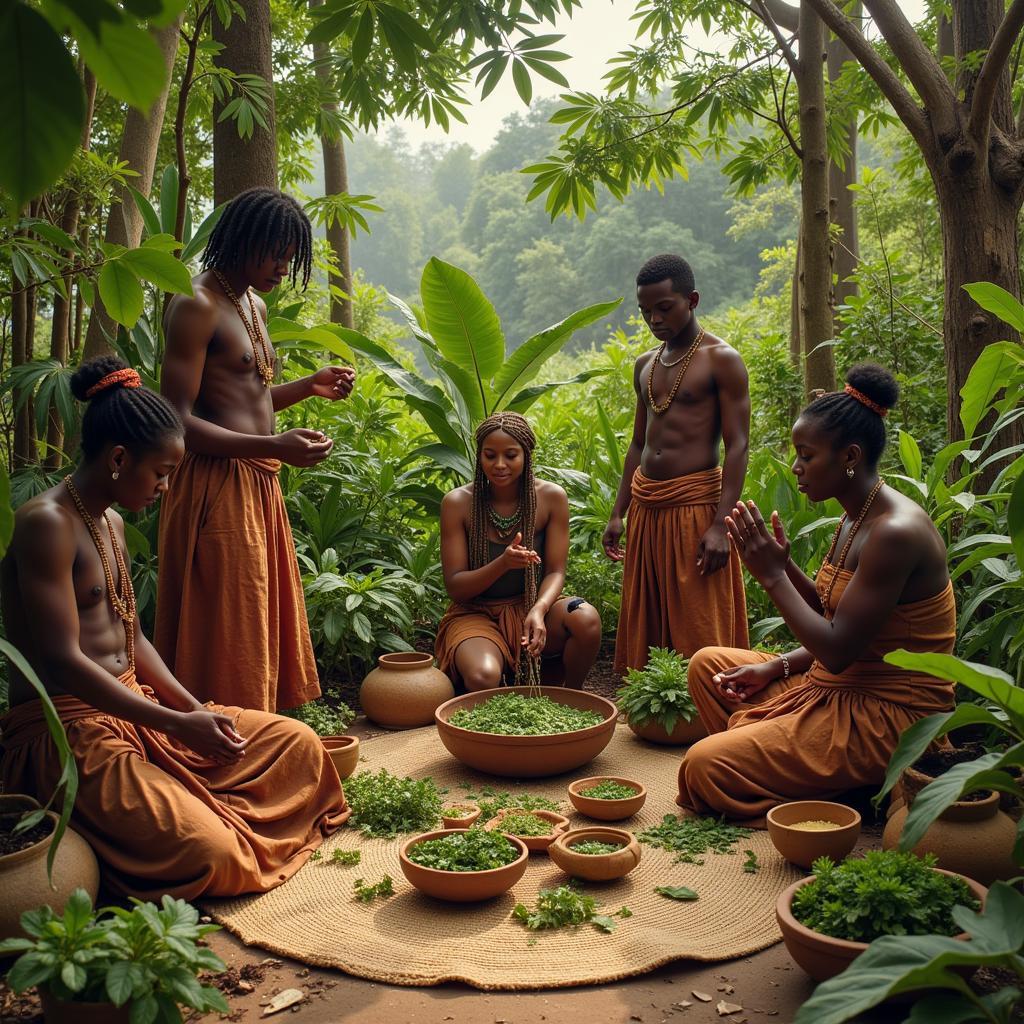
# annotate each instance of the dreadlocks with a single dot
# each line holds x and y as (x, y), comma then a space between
(517, 427)
(257, 222)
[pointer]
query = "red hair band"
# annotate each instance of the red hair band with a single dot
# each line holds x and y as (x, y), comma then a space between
(126, 376)
(864, 400)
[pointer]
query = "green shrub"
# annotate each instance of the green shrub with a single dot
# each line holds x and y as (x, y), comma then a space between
(384, 805)
(326, 716)
(658, 692)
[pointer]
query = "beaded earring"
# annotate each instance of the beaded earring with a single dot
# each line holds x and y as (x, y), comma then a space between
(114, 475)
(849, 472)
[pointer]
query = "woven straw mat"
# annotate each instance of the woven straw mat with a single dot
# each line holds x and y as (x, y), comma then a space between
(412, 939)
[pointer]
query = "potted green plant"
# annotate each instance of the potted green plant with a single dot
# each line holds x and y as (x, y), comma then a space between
(657, 703)
(115, 965)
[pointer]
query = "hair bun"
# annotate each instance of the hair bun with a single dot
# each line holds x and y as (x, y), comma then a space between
(93, 372)
(876, 382)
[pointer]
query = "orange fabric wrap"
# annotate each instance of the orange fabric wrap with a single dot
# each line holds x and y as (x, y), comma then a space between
(816, 734)
(665, 600)
(230, 615)
(500, 621)
(163, 819)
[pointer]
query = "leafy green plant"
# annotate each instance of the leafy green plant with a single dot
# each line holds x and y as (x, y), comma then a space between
(368, 893)
(384, 805)
(510, 714)
(326, 716)
(472, 849)
(676, 892)
(146, 957)
(751, 864)
(566, 907)
(490, 801)
(658, 692)
(593, 848)
(609, 790)
(693, 837)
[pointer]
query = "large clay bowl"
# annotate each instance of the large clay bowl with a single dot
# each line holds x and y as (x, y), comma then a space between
(804, 848)
(534, 844)
(606, 810)
(344, 752)
(821, 956)
(462, 886)
(683, 733)
(600, 867)
(527, 756)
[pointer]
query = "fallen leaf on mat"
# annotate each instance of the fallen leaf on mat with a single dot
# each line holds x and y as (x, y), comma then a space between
(283, 1000)
(702, 996)
(724, 1008)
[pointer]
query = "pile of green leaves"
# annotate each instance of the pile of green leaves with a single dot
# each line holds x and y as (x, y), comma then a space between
(658, 692)
(885, 892)
(326, 716)
(509, 714)
(593, 848)
(566, 907)
(368, 893)
(490, 801)
(693, 837)
(609, 790)
(524, 825)
(384, 805)
(474, 849)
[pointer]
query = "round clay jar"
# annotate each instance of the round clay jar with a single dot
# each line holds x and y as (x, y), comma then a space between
(606, 810)
(344, 753)
(599, 867)
(804, 847)
(404, 690)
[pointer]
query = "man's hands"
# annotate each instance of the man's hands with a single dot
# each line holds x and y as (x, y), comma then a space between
(518, 557)
(610, 539)
(713, 550)
(742, 682)
(334, 382)
(210, 734)
(765, 553)
(302, 447)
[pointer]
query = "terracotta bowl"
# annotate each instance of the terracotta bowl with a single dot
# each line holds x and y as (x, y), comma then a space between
(601, 867)
(821, 956)
(533, 843)
(344, 752)
(527, 756)
(462, 886)
(683, 734)
(606, 810)
(452, 819)
(804, 848)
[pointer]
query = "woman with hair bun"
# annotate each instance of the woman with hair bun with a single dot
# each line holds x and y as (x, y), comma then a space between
(826, 717)
(174, 796)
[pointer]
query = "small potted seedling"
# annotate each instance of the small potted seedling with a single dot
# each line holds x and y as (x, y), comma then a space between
(657, 703)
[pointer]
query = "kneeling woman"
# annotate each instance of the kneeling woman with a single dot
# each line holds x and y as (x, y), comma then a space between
(174, 796)
(504, 545)
(826, 717)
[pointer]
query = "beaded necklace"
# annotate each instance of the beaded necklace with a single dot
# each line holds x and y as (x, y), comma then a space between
(504, 526)
(124, 603)
(260, 351)
(849, 540)
(685, 360)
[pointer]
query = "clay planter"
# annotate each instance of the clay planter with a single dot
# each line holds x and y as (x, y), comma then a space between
(23, 880)
(452, 820)
(463, 886)
(533, 843)
(344, 752)
(57, 1011)
(527, 756)
(683, 733)
(403, 690)
(971, 837)
(606, 810)
(821, 956)
(804, 848)
(600, 867)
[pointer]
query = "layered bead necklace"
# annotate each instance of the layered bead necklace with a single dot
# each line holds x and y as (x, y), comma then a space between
(124, 603)
(836, 566)
(260, 351)
(504, 526)
(685, 358)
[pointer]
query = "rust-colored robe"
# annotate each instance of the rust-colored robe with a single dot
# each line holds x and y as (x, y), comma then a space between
(499, 620)
(816, 734)
(666, 602)
(230, 616)
(163, 819)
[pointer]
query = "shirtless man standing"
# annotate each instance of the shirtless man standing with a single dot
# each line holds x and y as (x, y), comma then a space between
(683, 585)
(231, 620)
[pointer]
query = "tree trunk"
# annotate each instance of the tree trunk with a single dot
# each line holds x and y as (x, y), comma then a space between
(138, 149)
(20, 354)
(240, 164)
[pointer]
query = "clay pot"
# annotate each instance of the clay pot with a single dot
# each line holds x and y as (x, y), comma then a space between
(23, 879)
(804, 848)
(599, 867)
(971, 837)
(683, 733)
(57, 1011)
(558, 822)
(527, 756)
(453, 820)
(821, 956)
(344, 752)
(463, 886)
(403, 690)
(606, 810)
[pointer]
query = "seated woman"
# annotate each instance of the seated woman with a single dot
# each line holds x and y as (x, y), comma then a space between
(826, 717)
(504, 545)
(174, 796)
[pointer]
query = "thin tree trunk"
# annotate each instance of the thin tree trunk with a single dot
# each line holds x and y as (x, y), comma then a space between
(20, 355)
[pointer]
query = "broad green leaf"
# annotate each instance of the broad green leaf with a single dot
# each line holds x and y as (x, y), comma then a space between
(120, 980)
(121, 293)
(611, 441)
(1015, 519)
(42, 106)
(168, 198)
(447, 458)
(463, 384)
(910, 455)
(149, 216)
(525, 398)
(988, 376)
(407, 380)
(197, 243)
(30, 970)
(676, 892)
(160, 268)
(999, 301)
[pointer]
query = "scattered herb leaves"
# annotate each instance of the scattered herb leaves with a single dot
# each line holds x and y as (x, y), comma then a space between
(368, 893)
(566, 907)
(490, 801)
(346, 857)
(524, 825)
(692, 837)
(750, 865)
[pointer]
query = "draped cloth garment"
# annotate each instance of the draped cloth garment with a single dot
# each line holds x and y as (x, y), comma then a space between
(499, 620)
(163, 819)
(230, 615)
(665, 600)
(816, 734)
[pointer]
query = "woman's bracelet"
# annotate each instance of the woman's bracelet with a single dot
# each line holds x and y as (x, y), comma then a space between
(785, 665)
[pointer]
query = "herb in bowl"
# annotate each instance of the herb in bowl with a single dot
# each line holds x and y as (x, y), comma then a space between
(384, 805)
(490, 801)
(510, 714)
(473, 849)
(609, 790)
(594, 848)
(524, 825)
(658, 692)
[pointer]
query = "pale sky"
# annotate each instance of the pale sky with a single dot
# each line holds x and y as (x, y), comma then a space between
(594, 34)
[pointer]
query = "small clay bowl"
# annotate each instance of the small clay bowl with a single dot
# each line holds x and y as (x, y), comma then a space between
(344, 752)
(533, 843)
(599, 867)
(462, 886)
(452, 819)
(606, 810)
(803, 847)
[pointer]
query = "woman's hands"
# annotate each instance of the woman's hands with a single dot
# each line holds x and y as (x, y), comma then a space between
(518, 557)
(535, 633)
(210, 734)
(742, 682)
(765, 553)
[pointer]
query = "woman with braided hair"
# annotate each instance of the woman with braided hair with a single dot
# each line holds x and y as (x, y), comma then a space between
(174, 796)
(826, 717)
(504, 547)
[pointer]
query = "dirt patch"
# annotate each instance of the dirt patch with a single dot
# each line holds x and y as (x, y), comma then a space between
(23, 1009)
(12, 842)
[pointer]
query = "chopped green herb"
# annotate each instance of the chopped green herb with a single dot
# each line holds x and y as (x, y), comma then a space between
(490, 801)
(510, 714)
(458, 811)
(368, 893)
(524, 825)
(750, 865)
(563, 907)
(384, 805)
(593, 848)
(691, 837)
(474, 849)
(625, 912)
(604, 922)
(346, 856)
(675, 892)
(609, 790)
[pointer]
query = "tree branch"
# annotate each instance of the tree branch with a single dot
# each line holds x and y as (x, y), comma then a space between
(784, 15)
(980, 120)
(766, 17)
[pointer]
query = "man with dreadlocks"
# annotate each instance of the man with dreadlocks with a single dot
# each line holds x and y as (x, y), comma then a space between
(504, 547)
(681, 588)
(231, 622)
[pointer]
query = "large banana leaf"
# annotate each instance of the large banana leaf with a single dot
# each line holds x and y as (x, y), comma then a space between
(525, 398)
(410, 382)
